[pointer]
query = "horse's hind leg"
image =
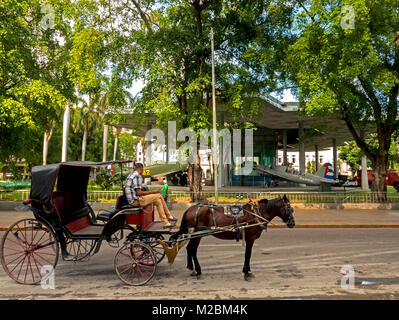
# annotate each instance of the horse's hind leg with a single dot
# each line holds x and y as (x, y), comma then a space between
(196, 243)
(189, 249)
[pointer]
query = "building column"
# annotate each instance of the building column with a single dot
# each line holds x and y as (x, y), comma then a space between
(285, 156)
(316, 156)
(65, 133)
(302, 164)
(220, 169)
(335, 158)
(148, 150)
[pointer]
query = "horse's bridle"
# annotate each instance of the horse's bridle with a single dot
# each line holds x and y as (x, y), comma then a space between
(262, 222)
(288, 211)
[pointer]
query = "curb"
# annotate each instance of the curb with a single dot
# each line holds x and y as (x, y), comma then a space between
(315, 226)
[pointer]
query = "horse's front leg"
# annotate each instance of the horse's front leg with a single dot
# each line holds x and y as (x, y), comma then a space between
(196, 243)
(248, 251)
(190, 265)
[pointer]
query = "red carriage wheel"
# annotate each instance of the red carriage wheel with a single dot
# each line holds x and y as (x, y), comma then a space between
(135, 263)
(79, 248)
(29, 251)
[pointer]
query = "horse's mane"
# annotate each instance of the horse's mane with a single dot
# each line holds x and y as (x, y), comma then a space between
(271, 204)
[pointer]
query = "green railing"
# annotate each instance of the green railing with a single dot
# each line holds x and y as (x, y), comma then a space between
(232, 197)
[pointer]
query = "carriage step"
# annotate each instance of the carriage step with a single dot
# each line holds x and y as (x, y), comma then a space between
(157, 226)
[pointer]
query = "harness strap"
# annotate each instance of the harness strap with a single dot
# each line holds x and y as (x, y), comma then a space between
(196, 216)
(238, 231)
(213, 216)
(258, 218)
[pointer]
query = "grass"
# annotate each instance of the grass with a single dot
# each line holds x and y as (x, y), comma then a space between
(184, 197)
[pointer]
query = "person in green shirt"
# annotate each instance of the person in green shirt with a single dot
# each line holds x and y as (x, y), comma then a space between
(165, 190)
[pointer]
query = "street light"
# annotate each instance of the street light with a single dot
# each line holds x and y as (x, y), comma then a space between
(214, 121)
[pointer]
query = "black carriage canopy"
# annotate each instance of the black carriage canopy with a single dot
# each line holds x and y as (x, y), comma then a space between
(72, 177)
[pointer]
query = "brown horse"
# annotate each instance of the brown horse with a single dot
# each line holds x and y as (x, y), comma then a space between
(202, 216)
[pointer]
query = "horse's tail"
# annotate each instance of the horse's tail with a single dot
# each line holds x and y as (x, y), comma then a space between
(183, 227)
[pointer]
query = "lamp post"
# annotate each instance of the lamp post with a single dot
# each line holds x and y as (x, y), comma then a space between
(215, 142)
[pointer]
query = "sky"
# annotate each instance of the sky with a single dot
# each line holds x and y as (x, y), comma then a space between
(287, 96)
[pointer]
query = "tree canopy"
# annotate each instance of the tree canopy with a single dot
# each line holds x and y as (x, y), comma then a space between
(345, 64)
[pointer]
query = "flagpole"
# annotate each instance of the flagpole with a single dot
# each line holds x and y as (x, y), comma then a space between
(214, 153)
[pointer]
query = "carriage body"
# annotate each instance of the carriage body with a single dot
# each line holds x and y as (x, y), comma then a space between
(65, 225)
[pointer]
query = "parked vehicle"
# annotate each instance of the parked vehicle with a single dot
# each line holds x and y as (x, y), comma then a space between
(392, 178)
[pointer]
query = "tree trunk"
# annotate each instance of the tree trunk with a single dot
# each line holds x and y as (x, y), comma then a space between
(195, 180)
(105, 142)
(45, 148)
(65, 133)
(378, 186)
(84, 142)
(47, 136)
(117, 132)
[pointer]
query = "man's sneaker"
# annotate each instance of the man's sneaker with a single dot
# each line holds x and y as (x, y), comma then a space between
(171, 218)
(68, 257)
(168, 225)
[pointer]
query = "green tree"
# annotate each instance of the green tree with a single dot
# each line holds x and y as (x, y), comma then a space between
(32, 63)
(49, 49)
(167, 44)
(311, 167)
(350, 71)
(86, 118)
(352, 154)
(127, 146)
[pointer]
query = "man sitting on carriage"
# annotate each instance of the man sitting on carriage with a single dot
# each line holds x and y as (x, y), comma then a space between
(137, 196)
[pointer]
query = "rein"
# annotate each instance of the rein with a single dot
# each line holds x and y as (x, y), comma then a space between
(254, 206)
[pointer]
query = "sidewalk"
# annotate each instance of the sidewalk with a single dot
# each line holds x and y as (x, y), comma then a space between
(323, 218)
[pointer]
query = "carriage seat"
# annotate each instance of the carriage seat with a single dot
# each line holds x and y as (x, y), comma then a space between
(76, 220)
(121, 204)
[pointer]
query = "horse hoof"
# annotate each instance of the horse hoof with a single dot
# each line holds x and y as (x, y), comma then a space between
(193, 273)
(199, 276)
(251, 275)
(248, 278)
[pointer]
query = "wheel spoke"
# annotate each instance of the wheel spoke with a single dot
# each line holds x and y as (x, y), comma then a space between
(16, 258)
(24, 235)
(26, 271)
(37, 268)
(43, 258)
(11, 254)
(23, 261)
(17, 242)
(14, 249)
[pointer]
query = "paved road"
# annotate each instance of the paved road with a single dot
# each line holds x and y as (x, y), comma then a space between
(299, 263)
(13, 211)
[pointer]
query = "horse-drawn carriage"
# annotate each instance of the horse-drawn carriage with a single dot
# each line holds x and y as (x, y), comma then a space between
(65, 225)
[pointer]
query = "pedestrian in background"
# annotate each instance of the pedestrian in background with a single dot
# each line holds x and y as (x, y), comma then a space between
(165, 191)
